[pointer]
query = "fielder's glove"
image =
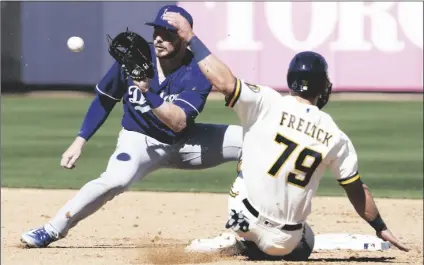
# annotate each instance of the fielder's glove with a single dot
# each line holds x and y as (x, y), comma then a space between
(132, 52)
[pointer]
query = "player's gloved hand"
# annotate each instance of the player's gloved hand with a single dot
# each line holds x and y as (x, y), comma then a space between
(183, 27)
(386, 235)
(72, 154)
(132, 52)
(143, 85)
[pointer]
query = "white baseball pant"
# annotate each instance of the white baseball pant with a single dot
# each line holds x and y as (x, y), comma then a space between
(267, 234)
(136, 155)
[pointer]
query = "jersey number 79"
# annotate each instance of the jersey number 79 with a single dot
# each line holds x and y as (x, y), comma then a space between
(299, 165)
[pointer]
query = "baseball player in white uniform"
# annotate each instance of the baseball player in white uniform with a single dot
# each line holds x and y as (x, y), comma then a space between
(288, 143)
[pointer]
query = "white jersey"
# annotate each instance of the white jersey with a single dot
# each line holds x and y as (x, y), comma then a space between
(287, 146)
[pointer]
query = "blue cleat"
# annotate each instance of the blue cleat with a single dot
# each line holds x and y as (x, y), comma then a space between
(38, 238)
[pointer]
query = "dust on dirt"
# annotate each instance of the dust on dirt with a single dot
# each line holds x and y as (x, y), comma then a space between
(140, 228)
(177, 255)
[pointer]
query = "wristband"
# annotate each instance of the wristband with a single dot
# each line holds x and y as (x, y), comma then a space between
(199, 49)
(153, 100)
(378, 224)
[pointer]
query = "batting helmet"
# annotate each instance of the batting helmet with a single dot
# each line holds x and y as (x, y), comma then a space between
(307, 75)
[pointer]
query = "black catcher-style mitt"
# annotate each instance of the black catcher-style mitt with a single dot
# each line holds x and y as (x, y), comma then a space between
(132, 52)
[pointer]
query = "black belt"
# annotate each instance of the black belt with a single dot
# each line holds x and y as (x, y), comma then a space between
(255, 213)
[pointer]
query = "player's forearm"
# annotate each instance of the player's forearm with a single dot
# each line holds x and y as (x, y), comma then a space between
(362, 201)
(79, 141)
(218, 74)
(171, 115)
(364, 204)
(214, 69)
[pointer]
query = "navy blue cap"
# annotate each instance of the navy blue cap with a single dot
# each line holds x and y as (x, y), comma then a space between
(159, 22)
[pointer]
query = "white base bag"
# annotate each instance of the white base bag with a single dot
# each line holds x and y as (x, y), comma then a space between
(325, 242)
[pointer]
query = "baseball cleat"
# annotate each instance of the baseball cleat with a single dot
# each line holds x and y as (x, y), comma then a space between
(38, 238)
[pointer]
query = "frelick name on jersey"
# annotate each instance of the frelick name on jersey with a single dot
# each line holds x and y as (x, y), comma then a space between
(299, 124)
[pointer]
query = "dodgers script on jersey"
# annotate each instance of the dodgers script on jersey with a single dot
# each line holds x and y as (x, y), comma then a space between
(186, 87)
(286, 148)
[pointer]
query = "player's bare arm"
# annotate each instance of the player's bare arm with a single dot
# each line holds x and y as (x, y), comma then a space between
(364, 204)
(137, 64)
(99, 109)
(170, 114)
(73, 153)
(216, 71)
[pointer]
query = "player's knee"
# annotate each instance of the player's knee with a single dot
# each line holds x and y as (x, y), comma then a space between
(304, 248)
(118, 183)
(301, 252)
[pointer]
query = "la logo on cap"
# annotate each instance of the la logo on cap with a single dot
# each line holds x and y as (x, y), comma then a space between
(164, 13)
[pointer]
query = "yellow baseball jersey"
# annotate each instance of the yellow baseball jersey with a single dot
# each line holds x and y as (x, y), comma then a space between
(287, 146)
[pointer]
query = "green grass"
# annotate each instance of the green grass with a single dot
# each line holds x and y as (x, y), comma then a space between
(35, 132)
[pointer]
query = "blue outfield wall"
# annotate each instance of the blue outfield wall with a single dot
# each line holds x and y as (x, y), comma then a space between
(35, 56)
(39, 55)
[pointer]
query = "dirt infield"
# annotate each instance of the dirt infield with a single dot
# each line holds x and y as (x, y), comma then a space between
(152, 228)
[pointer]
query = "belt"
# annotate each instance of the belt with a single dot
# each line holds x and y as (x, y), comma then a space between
(255, 213)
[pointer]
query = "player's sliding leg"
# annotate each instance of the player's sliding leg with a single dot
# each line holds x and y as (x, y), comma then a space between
(135, 156)
(251, 240)
(264, 238)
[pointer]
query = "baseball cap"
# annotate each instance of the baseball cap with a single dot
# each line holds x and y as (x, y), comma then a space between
(160, 22)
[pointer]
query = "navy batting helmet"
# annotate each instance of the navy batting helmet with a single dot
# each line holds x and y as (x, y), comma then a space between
(307, 75)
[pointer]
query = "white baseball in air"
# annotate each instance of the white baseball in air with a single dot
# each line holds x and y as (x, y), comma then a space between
(75, 44)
